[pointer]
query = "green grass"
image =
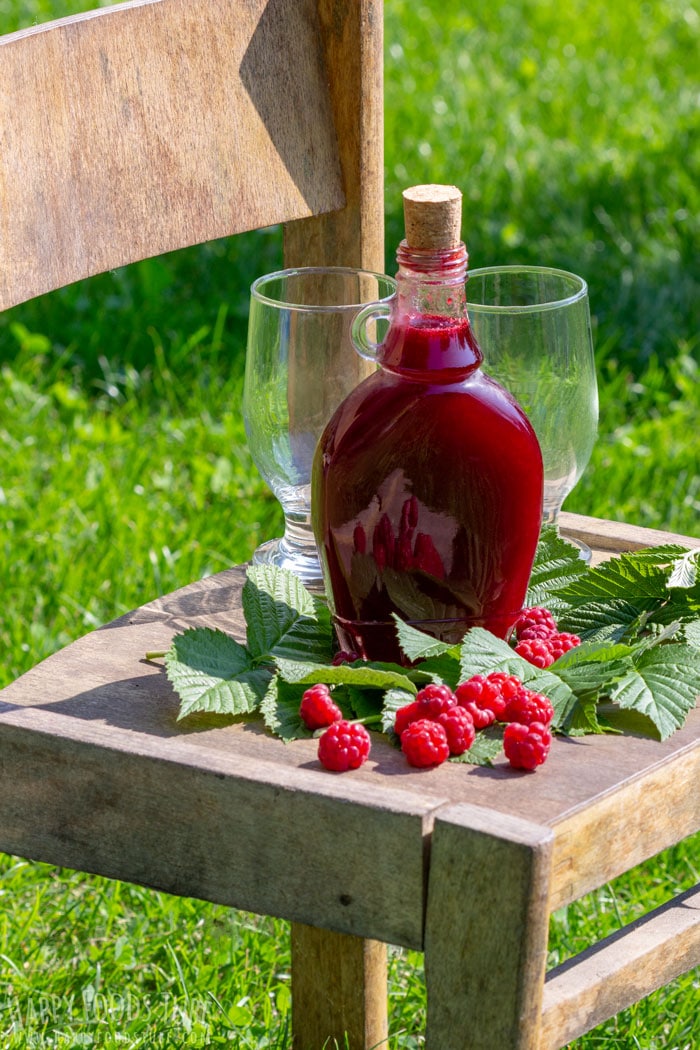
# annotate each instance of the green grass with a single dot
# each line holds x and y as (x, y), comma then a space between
(572, 130)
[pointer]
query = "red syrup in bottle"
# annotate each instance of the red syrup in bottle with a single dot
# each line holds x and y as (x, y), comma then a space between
(427, 482)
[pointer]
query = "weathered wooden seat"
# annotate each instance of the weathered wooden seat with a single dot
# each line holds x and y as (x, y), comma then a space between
(154, 124)
(463, 863)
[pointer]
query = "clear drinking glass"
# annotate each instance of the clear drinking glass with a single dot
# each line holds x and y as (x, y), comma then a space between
(300, 364)
(533, 326)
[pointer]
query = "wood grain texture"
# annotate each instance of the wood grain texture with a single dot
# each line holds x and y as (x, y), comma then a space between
(616, 830)
(339, 991)
(353, 46)
(97, 774)
(599, 794)
(613, 537)
(620, 970)
(486, 931)
(240, 832)
(133, 130)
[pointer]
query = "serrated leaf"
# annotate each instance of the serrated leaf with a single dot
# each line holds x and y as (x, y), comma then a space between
(603, 621)
(682, 604)
(557, 563)
(358, 703)
(280, 710)
(594, 668)
(664, 554)
(664, 686)
(368, 676)
(483, 653)
(487, 746)
(616, 719)
(441, 669)
(417, 645)
(639, 581)
(393, 699)
(684, 571)
(691, 633)
(283, 618)
(212, 672)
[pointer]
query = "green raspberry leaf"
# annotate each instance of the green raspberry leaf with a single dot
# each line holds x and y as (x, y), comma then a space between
(684, 570)
(691, 633)
(664, 686)
(365, 704)
(443, 670)
(417, 645)
(283, 618)
(633, 578)
(487, 746)
(599, 622)
(363, 675)
(483, 653)
(212, 672)
(592, 667)
(280, 710)
(393, 700)
(557, 563)
(616, 719)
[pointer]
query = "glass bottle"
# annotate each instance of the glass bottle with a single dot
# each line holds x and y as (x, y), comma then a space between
(427, 481)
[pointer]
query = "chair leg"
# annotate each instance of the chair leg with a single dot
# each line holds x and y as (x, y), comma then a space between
(486, 931)
(339, 991)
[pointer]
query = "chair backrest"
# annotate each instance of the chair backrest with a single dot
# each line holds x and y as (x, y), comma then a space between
(137, 129)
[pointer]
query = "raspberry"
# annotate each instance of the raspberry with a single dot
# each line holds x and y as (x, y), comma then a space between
(538, 630)
(561, 643)
(508, 685)
(345, 657)
(434, 699)
(534, 616)
(424, 743)
(527, 707)
(481, 716)
(490, 692)
(405, 715)
(526, 747)
(459, 727)
(317, 709)
(536, 651)
(344, 745)
(544, 651)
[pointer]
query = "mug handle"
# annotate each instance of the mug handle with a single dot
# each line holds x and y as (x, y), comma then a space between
(365, 346)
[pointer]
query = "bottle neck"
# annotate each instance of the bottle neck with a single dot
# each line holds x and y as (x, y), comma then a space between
(430, 336)
(431, 282)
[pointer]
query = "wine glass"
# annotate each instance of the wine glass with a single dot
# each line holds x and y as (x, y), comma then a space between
(534, 329)
(300, 364)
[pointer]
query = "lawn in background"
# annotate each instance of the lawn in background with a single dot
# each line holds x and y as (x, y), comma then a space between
(572, 131)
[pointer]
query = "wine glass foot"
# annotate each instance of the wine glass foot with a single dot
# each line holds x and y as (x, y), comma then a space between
(585, 553)
(550, 516)
(302, 563)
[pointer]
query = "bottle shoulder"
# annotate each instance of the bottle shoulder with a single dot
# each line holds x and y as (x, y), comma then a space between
(388, 404)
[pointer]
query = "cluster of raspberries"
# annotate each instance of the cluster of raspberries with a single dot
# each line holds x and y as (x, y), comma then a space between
(440, 723)
(538, 639)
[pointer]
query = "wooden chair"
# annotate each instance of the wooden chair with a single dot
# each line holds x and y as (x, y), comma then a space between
(160, 123)
(137, 129)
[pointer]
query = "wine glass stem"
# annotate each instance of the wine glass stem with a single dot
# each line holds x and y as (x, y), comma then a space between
(298, 535)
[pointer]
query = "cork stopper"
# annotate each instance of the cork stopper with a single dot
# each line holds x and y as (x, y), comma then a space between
(432, 216)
